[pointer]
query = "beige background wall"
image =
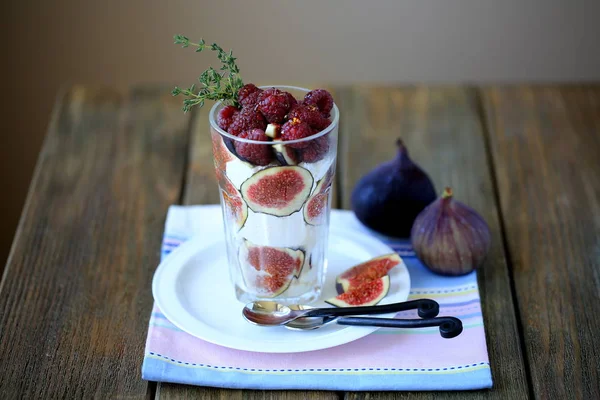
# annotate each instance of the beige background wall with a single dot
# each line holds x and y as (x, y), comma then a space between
(49, 43)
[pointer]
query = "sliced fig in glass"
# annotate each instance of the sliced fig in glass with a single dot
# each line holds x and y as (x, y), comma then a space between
(225, 184)
(327, 180)
(367, 294)
(285, 154)
(314, 210)
(269, 270)
(367, 271)
(236, 209)
(221, 152)
(278, 191)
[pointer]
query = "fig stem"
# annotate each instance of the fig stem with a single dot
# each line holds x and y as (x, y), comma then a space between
(447, 193)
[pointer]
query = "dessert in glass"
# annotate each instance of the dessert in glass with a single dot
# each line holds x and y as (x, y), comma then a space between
(275, 158)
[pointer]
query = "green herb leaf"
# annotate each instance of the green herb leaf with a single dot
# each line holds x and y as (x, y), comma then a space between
(215, 86)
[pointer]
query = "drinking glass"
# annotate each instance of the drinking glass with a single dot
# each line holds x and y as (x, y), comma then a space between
(276, 216)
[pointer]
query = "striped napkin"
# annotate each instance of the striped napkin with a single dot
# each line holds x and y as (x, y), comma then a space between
(388, 359)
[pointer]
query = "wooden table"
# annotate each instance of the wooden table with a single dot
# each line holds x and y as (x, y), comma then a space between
(75, 297)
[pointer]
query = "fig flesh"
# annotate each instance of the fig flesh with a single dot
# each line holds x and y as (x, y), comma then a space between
(367, 271)
(278, 191)
(285, 155)
(369, 293)
(314, 210)
(221, 152)
(267, 270)
(235, 207)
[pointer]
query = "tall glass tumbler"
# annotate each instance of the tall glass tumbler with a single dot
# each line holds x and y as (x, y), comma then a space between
(276, 216)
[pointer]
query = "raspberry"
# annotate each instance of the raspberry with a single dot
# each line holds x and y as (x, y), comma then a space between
(309, 114)
(274, 106)
(244, 94)
(252, 99)
(291, 99)
(320, 98)
(226, 116)
(268, 92)
(316, 149)
(257, 154)
(295, 129)
(247, 119)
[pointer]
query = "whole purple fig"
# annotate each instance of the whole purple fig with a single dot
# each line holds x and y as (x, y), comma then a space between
(389, 198)
(449, 237)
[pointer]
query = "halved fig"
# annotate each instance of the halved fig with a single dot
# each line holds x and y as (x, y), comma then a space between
(221, 152)
(300, 267)
(314, 210)
(327, 180)
(236, 209)
(365, 272)
(230, 146)
(272, 286)
(269, 270)
(285, 154)
(225, 184)
(278, 191)
(367, 294)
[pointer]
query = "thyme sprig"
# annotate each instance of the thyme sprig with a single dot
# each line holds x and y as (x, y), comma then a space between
(214, 85)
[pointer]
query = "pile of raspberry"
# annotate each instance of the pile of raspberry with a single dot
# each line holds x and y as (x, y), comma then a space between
(272, 114)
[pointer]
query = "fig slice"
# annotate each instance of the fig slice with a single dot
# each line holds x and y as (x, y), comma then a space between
(225, 184)
(278, 191)
(269, 270)
(285, 154)
(222, 153)
(236, 209)
(368, 293)
(367, 271)
(314, 210)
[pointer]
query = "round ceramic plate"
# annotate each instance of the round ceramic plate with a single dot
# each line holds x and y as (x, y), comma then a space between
(192, 288)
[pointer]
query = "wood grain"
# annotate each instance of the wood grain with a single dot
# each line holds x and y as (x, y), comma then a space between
(183, 392)
(442, 130)
(545, 143)
(75, 298)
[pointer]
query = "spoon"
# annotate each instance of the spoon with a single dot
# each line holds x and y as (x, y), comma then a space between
(271, 313)
(449, 326)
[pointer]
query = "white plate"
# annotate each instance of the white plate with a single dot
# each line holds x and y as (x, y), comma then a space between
(192, 288)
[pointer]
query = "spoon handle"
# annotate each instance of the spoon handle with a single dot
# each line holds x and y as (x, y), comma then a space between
(427, 308)
(449, 326)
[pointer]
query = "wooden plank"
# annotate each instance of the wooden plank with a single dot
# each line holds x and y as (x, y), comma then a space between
(75, 298)
(545, 142)
(442, 130)
(183, 392)
(202, 188)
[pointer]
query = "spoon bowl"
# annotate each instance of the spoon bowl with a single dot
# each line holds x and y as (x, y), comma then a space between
(271, 313)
